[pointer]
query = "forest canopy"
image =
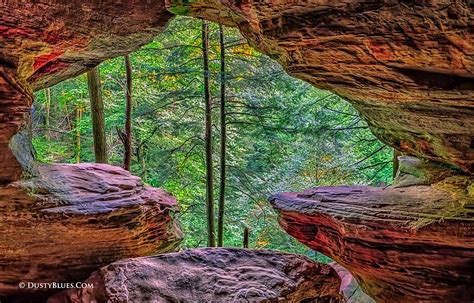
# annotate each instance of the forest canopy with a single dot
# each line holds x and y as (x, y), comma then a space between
(281, 134)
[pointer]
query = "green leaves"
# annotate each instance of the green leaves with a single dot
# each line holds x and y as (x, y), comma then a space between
(283, 134)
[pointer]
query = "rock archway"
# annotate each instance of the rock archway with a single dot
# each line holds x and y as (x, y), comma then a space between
(407, 66)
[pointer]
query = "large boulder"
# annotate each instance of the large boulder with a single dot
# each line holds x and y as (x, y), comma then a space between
(408, 244)
(211, 275)
(70, 220)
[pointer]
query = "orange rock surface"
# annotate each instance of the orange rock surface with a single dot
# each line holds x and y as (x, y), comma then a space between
(73, 219)
(410, 244)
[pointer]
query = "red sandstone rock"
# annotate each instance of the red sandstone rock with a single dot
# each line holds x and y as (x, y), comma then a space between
(211, 275)
(407, 67)
(45, 42)
(73, 219)
(411, 244)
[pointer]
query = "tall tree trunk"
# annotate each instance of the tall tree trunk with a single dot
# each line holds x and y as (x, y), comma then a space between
(97, 113)
(78, 133)
(127, 157)
(396, 163)
(246, 237)
(211, 241)
(47, 95)
(66, 112)
(220, 222)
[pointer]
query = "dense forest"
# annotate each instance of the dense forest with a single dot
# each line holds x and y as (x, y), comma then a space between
(215, 123)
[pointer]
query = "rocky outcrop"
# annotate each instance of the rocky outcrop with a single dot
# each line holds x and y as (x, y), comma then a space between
(45, 42)
(211, 275)
(409, 244)
(50, 41)
(408, 67)
(72, 219)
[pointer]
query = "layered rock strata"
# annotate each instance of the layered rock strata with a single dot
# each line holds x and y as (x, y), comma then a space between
(72, 219)
(407, 244)
(211, 275)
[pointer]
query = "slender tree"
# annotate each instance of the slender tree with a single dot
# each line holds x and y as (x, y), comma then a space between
(127, 138)
(47, 95)
(78, 132)
(97, 113)
(211, 241)
(246, 237)
(396, 163)
(223, 133)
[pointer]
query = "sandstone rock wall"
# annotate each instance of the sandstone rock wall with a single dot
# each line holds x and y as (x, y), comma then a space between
(72, 219)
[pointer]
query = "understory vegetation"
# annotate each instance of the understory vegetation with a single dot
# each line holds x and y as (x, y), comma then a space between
(281, 134)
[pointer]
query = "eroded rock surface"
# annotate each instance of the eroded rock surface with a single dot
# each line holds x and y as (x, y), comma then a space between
(72, 219)
(411, 244)
(408, 67)
(211, 275)
(45, 42)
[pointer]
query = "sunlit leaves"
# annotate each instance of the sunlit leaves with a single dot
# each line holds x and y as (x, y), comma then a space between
(283, 134)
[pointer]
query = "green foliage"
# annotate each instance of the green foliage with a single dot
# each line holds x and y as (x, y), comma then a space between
(283, 134)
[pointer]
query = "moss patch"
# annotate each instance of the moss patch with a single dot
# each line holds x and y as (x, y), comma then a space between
(459, 187)
(180, 7)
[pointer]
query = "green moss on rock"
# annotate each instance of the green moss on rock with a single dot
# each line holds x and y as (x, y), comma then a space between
(180, 7)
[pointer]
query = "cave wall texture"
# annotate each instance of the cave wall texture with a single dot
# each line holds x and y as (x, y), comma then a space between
(407, 66)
